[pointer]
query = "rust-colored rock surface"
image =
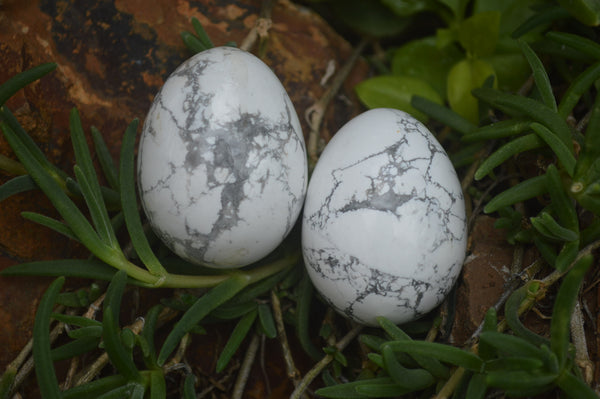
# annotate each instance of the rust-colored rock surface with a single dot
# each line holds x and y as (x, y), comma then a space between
(112, 58)
(484, 276)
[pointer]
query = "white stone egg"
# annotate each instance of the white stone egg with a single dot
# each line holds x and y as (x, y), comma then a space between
(222, 169)
(384, 227)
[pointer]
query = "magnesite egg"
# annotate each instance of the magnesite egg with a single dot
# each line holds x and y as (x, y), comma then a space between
(222, 168)
(384, 228)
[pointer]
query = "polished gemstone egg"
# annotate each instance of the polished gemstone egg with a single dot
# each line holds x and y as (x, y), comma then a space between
(222, 168)
(384, 226)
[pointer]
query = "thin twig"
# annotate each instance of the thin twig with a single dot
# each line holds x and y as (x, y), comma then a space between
(244, 373)
(318, 368)
(175, 362)
(290, 366)
(28, 366)
(315, 113)
(582, 358)
(261, 27)
(96, 367)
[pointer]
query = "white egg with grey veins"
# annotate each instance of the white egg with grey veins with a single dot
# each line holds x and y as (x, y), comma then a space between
(222, 168)
(384, 226)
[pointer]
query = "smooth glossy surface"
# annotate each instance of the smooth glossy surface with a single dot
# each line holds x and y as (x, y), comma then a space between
(384, 226)
(222, 169)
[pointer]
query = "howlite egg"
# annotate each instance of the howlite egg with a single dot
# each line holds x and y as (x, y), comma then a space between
(222, 170)
(384, 228)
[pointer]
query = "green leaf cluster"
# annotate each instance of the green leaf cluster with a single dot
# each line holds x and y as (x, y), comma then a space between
(521, 364)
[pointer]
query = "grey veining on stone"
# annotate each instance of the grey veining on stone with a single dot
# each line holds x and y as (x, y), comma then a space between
(384, 228)
(222, 166)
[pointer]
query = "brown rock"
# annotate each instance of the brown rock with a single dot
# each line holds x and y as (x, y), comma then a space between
(484, 275)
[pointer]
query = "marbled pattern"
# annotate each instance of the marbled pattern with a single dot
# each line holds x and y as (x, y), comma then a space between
(222, 161)
(384, 226)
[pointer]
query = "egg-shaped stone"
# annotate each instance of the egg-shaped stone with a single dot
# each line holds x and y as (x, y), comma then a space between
(384, 228)
(222, 168)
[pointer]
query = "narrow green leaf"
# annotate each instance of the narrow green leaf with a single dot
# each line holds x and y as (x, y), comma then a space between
(577, 42)
(511, 312)
(585, 11)
(541, 19)
(78, 321)
(410, 379)
(490, 323)
(498, 130)
(26, 144)
(517, 105)
(17, 185)
(520, 192)
(105, 159)
(126, 391)
(547, 226)
(83, 157)
(304, 295)
(441, 352)
(88, 182)
(119, 356)
(512, 345)
(578, 87)
(565, 301)
(84, 332)
(192, 42)
(443, 115)
(267, 321)
(50, 223)
(74, 348)
(158, 385)
(235, 340)
(546, 249)
(189, 391)
(508, 150)
(22, 79)
(430, 364)
(83, 268)
(95, 388)
(585, 170)
(510, 380)
(6, 382)
(63, 204)
(233, 311)
(202, 35)
(563, 206)
(148, 335)
(575, 387)
(540, 76)
(203, 306)
(377, 359)
(97, 209)
(381, 390)
(348, 390)
(373, 342)
(137, 391)
(514, 363)
(477, 387)
(42, 354)
(130, 205)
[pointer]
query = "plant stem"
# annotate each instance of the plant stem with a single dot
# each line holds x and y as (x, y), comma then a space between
(240, 383)
(11, 167)
(290, 366)
(316, 112)
(318, 368)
